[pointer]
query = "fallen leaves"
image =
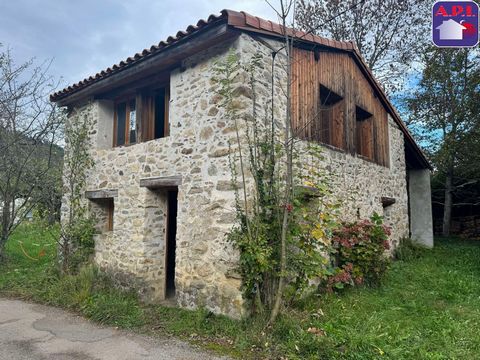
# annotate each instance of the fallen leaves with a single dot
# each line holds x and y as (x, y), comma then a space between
(316, 331)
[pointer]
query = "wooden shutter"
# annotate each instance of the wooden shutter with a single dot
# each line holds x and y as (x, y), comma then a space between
(110, 214)
(147, 111)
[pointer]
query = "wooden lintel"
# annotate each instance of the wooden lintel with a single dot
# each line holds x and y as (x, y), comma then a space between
(101, 194)
(387, 201)
(161, 182)
(307, 192)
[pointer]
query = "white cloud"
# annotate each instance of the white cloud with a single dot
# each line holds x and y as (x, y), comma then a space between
(88, 36)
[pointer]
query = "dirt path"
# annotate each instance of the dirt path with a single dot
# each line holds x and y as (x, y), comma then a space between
(32, 332)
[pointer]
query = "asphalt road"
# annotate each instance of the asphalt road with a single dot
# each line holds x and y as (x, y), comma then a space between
(36, 332)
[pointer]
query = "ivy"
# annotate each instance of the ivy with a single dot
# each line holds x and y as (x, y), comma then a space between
(76, 236)
(258, 161)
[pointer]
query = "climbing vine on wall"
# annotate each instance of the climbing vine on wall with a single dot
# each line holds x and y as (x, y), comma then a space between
(258, 162)
(76, 236)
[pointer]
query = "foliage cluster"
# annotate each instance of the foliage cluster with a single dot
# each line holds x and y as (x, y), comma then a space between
(407, 250)
(76, 236)
(359, 323)
(358, 252)
(318, 248)
(30, 129)
(274, 209)
(444, 114)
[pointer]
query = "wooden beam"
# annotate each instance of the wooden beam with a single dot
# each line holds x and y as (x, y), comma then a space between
(149, 83)
(101, 194)
(387, 201)
(164, 59)
(161, 182)
(307, 192)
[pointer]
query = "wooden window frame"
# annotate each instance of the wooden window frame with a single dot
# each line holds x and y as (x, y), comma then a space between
(166, 111)
(367, 117)
(126, 100)
(339, 102)
(145, 129)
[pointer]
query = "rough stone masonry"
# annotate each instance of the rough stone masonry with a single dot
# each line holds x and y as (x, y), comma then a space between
(197, 150)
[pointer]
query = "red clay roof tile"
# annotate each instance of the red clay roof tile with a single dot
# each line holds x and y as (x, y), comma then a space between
(243, 21)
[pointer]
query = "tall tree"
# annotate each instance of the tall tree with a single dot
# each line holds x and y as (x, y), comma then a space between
(29, 130)
(445, 111)
(388, 33)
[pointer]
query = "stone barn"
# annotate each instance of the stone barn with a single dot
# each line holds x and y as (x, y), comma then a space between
(161, 184)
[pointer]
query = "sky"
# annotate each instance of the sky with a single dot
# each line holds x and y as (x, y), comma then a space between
(87, 36)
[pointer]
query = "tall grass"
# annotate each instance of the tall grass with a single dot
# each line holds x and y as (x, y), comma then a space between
(428, 307)
(31, 273)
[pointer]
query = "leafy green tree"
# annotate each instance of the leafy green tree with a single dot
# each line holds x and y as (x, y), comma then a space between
(445, 112)
(390, 34)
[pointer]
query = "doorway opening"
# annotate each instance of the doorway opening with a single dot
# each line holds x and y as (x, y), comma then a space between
(171, 235)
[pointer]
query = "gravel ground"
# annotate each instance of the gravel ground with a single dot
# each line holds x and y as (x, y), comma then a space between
(37, 332)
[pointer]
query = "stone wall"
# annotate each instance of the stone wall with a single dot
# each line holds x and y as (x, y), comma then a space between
(360, 184)
(198, 150)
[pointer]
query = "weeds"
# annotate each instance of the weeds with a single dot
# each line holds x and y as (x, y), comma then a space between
(408, 250)
(426, 308)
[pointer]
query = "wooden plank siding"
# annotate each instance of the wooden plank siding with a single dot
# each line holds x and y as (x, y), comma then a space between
(338, 127)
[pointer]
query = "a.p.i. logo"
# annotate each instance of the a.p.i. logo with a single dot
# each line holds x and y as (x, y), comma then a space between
(455, 23)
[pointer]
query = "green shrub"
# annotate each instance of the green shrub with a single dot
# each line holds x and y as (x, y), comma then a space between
(77, 245)
(72, 290)
(358, 253)
(93, 294)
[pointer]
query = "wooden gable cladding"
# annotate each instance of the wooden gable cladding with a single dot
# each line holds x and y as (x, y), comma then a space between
(338, 127)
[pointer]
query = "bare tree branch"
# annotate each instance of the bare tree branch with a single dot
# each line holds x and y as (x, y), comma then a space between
(29, 129)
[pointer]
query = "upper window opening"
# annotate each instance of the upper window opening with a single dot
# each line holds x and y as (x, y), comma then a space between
(361, 114)
(142, 117)
(364, 132)
(328, 97)
(125, 123)
(329, 127)
(161, 113)
(133, 122)
(121, 121)
(155, 107)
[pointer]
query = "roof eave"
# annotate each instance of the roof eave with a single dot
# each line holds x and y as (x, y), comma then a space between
(211, 34)
(207, 33)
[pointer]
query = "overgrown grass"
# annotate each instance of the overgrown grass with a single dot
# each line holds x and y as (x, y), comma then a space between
(428, 308)
(31, 273)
